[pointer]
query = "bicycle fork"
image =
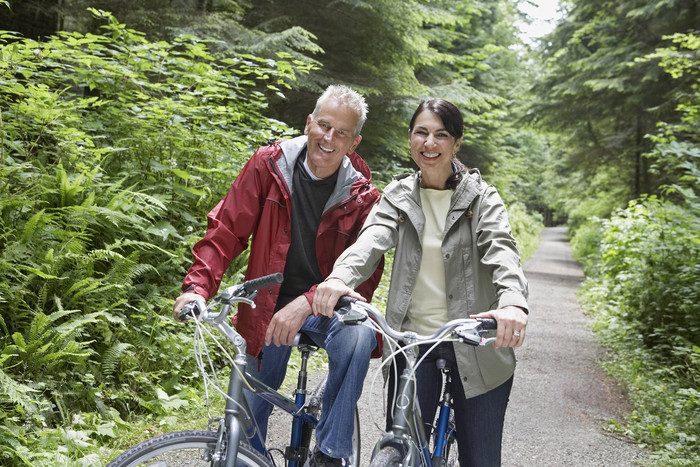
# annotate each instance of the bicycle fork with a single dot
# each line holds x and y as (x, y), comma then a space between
(442, 432)
(237, 421)
(407, 436)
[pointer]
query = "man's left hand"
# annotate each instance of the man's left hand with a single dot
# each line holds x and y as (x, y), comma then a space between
(287, 322)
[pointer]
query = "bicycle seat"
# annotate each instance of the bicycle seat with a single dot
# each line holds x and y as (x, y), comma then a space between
(303, 340)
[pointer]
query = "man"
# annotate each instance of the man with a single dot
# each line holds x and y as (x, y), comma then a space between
(303, 201)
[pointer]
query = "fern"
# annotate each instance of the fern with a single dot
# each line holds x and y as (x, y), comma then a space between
(112, 356)
(16, 393)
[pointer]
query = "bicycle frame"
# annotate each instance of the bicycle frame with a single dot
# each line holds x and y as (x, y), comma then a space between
(238, 423)
(407, 433)
(407, 421)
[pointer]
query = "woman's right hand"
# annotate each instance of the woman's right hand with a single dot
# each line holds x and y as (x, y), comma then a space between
(327, 295)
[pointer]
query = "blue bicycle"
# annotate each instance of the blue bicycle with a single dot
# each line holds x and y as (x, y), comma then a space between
(225, 442)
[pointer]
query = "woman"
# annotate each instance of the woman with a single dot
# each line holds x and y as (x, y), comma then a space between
(455, 257)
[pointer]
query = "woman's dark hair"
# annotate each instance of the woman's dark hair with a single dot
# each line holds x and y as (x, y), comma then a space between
(454, 124)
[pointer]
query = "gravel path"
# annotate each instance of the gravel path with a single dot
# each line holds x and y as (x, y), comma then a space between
(561, 401)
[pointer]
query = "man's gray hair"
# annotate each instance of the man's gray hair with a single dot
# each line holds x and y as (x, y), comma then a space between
(346, 96)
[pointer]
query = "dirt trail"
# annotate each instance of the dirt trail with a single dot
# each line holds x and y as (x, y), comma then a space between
(561, 400)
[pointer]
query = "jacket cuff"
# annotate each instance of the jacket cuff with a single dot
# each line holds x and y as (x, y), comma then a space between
(513, 299)
(310, 297)
(195, 289)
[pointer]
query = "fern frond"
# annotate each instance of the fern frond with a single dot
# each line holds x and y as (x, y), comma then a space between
(35, 223)
(111, 358)
(105, 255)
(82, 287)
(16, 393)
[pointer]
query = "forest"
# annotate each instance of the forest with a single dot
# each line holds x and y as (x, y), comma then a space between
(122, 123)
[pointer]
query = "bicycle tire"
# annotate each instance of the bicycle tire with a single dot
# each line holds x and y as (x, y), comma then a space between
(388, 456)
(183, 448)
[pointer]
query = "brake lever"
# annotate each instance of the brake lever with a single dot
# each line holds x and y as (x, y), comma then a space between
(471, 335)
(348, 315)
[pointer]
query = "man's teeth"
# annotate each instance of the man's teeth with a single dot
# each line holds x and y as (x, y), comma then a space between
(325, 149)
(431, 155)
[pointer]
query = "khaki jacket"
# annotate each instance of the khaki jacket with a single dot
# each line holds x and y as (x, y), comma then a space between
(482, 264)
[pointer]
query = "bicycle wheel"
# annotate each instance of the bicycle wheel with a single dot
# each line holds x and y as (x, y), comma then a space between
(387, 457)
(183, 448)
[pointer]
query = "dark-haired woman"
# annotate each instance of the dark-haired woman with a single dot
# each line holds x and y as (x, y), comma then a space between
(455, 257)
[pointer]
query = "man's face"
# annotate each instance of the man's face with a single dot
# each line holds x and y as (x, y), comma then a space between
(330, 137)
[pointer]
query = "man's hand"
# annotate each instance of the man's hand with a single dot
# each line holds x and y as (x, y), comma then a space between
(512, 321)
(183, 300)
(328, 293)
(287, 322)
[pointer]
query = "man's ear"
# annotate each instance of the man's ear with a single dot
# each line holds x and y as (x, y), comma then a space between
(355, 143)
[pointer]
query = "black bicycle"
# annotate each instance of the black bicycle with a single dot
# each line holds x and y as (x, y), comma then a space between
(225, 442)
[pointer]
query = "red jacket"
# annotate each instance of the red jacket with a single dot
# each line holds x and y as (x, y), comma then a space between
(258, 204)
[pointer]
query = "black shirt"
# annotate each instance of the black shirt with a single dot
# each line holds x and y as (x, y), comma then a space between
(309, 197)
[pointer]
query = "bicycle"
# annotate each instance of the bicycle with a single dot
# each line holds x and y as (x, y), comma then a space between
(406, 443)
(225, 442)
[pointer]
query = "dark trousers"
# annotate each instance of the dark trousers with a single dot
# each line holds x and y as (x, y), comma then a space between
(479, 420)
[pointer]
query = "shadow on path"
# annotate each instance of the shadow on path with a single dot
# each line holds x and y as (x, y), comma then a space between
(561, 400)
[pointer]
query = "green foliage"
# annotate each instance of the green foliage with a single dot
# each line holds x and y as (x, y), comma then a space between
(112, 150)
(603, 90)
(676, 152)
(527, 227)
(644, 297)
(585, 244)
(642, 286)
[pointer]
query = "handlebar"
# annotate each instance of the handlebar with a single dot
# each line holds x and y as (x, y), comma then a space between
(245, 292)
(468, 330)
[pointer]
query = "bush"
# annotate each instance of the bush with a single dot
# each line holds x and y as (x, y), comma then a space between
(645, 301)
(112, 149)
(527, 227)
(585, 244)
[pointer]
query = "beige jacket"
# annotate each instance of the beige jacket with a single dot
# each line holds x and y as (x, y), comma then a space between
(482, 264)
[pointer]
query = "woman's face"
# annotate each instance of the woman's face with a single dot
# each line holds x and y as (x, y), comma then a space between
(432, 149)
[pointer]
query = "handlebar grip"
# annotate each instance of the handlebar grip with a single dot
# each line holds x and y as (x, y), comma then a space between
(344, 301)
(262, 282)
(191, 310)
(488, 323)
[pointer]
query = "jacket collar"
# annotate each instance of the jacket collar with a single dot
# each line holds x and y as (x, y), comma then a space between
(404, 192)
(352, 168)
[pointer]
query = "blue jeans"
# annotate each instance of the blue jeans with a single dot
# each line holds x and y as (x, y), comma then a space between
(479, 420)
(349, 348)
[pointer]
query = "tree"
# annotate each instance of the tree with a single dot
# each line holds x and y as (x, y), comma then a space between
(598, 91)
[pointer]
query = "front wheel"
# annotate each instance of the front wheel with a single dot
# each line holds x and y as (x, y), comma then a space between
(387, 457)
(191, 448)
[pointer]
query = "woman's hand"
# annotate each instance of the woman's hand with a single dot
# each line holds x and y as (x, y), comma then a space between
(327, 295)
(512, 321)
